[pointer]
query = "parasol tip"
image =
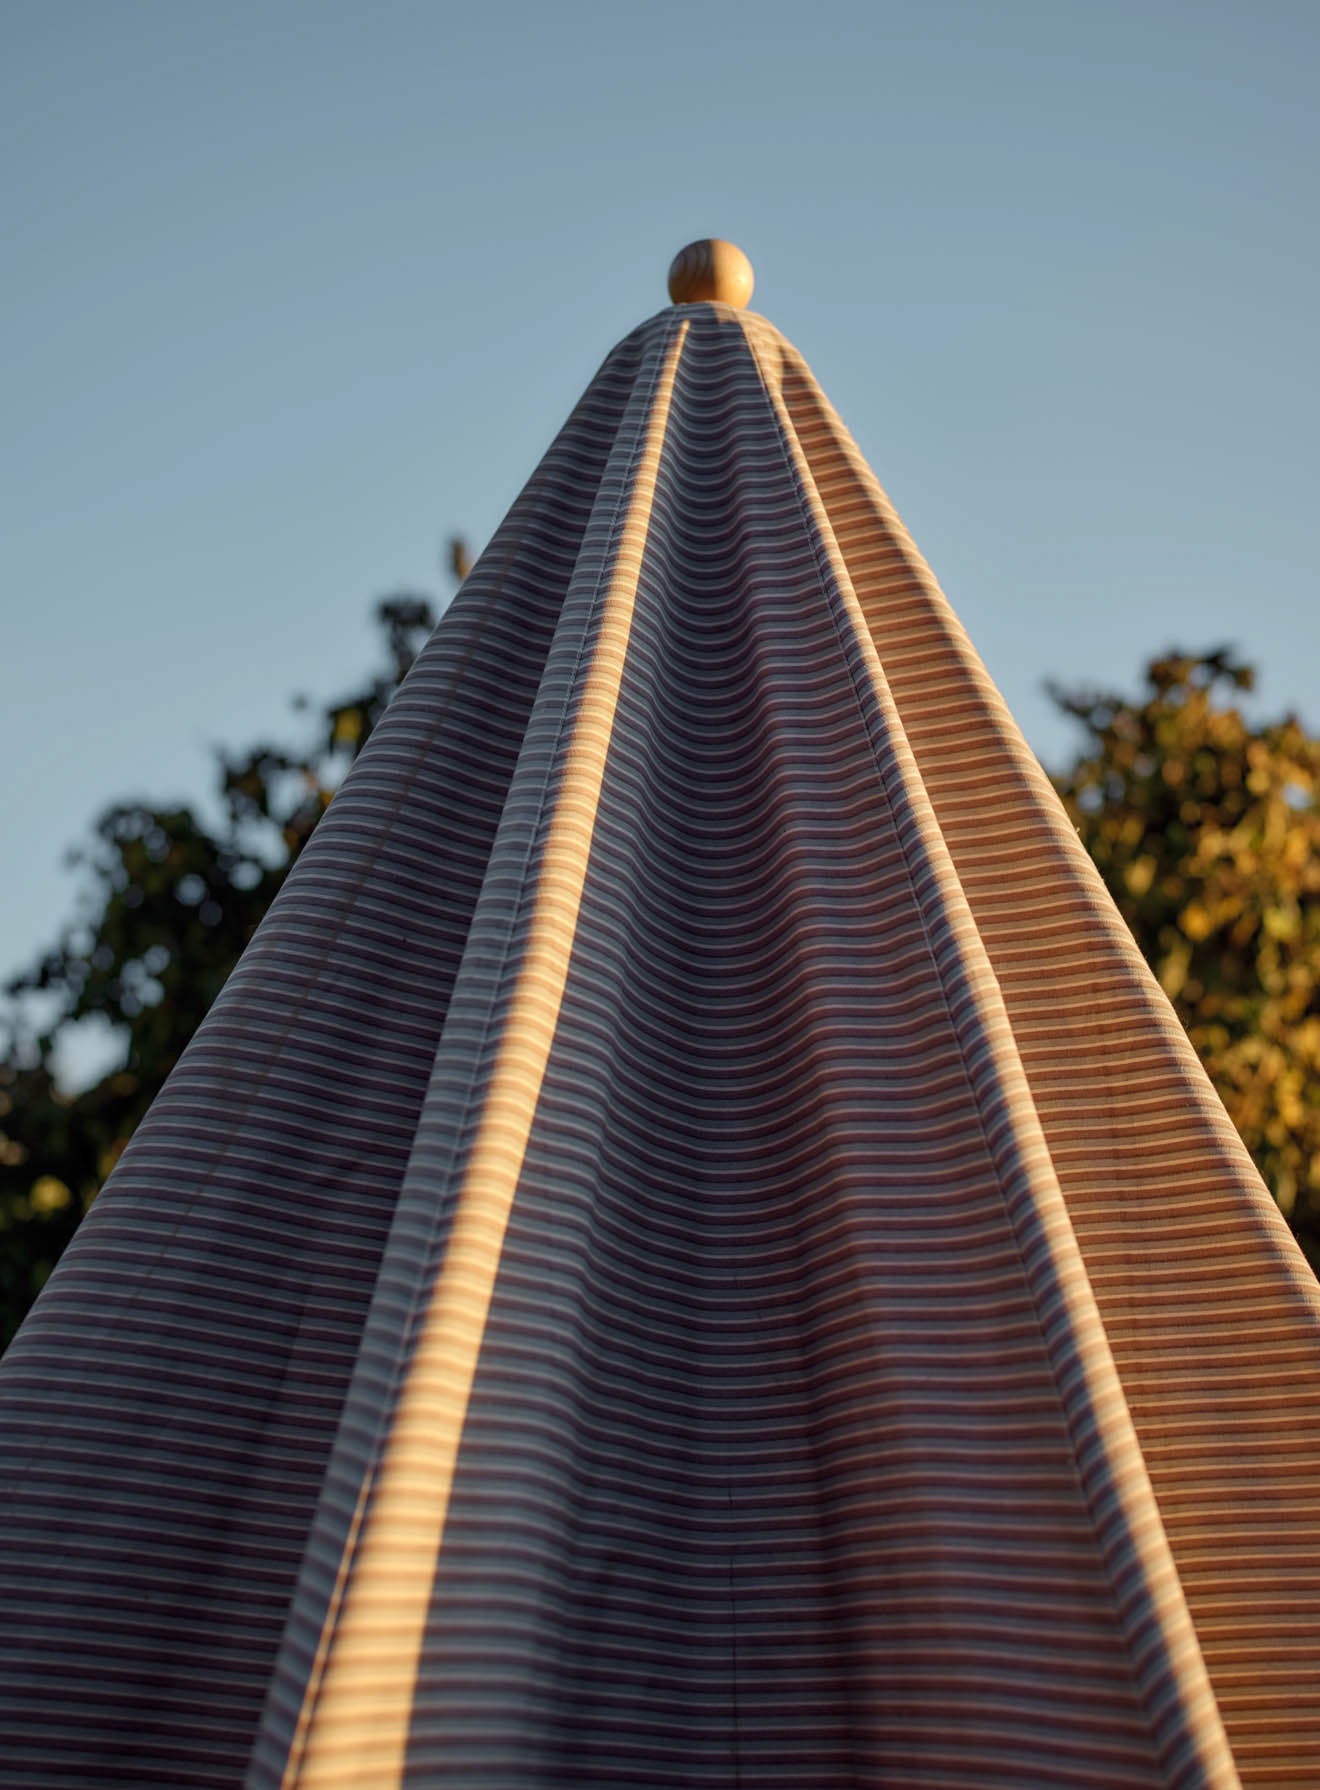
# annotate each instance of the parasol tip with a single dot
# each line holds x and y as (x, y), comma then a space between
(711, 271)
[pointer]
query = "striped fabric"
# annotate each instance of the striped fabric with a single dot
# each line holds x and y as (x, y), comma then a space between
(691, 1250)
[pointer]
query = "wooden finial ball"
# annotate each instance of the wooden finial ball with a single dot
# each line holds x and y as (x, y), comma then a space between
(711, 271)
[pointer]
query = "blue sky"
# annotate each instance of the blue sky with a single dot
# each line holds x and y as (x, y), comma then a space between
(295, 290)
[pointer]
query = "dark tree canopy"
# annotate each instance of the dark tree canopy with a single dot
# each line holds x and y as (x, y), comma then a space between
(1206, 829)
(170, 902)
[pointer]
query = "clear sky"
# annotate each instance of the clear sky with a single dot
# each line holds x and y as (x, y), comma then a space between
(294, 289)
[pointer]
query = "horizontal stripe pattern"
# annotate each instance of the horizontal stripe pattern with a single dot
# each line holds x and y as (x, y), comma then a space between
(894, 1371)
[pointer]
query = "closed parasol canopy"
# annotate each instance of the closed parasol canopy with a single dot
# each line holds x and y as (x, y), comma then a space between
(691, 1249)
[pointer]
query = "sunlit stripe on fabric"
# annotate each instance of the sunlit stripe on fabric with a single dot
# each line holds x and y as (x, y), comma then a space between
(358, 1726)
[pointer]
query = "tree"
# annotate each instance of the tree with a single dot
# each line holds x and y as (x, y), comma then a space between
(170, 903)
(1206, 829)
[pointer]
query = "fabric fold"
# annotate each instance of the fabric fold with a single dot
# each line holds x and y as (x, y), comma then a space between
(405, 1413)
(1178, 1235)
(1174, 1685)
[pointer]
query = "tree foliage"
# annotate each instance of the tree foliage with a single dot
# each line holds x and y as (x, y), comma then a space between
(1206, 829)
(171, 899)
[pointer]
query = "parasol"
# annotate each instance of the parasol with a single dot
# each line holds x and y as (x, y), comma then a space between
(691, 1249)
